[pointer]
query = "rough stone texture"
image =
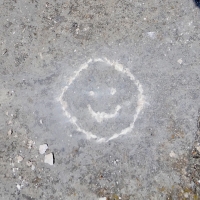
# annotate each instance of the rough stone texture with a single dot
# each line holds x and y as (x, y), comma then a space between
(43, 43)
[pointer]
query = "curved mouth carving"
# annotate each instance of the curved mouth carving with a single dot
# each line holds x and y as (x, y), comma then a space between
(100, 116)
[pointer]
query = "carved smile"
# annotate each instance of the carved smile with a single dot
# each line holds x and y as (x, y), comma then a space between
(100, 116)
(112, 122)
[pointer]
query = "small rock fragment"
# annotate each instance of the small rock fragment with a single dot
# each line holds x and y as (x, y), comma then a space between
(172, 155)
(186, 195)
(152, 35)
(30, 144)
(29, 163)
(19, 158)
(198, 148)
(14, 170)
(49, 159)
(18, 187)
(10, 132)
(33, 167)
(43, 148)
(180, 61)
(196, 151)
(102, 198)
(9, 122)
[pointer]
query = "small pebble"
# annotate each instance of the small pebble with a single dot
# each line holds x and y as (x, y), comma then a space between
(18, 187)
(33, 167)
(180, 61)
(9, 122)
(19, 158)
(49, 159)
(30, 144)
(198, 148)
(10, 132)
(172, 155)
(29, 163)
(43, 148)
(186, 195)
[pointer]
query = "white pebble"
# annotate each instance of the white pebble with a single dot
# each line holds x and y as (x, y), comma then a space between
(180, 61)
(10, 132)
(49, 159)
(198, 149)
(186, 195)
(33, 167)
(19, 158)
(9, 122)
(172, 155)
(18, 187)
(30, 144)
(43, 148)
(29, 163)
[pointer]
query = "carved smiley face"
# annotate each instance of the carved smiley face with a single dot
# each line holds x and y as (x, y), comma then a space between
(102, 99)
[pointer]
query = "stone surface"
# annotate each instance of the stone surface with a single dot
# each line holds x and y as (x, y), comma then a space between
(99, 151)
